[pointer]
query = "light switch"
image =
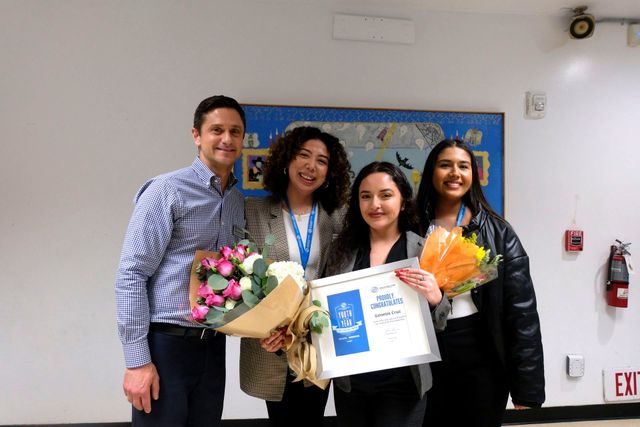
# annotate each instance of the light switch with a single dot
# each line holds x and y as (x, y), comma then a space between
(536, 105)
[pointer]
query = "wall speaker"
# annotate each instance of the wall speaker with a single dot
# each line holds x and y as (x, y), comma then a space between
(582, 25)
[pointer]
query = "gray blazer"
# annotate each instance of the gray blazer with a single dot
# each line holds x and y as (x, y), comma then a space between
(263, 374)
(421, 373)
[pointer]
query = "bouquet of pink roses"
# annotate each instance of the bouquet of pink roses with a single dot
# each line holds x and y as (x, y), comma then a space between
(237, 292)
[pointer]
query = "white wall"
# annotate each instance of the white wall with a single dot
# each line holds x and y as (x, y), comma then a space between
(97, 96)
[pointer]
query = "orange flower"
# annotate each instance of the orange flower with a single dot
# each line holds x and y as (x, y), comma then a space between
(455, 261)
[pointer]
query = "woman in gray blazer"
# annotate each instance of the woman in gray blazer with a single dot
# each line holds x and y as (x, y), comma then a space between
(307, 175)
(380, 214)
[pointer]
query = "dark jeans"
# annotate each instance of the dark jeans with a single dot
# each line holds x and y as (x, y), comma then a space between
(299, 405)
(192, 378)
(380, 401)
(469, 385)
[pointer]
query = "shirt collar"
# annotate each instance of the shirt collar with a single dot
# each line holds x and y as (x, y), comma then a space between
(207, 176)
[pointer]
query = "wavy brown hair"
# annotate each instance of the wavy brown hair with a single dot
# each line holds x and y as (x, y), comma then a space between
(336, 190)
(355, 233)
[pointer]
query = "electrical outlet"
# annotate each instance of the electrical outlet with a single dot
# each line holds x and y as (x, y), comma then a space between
(575, 365)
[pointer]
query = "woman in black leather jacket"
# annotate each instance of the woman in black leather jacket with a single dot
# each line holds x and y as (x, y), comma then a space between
(492, 345)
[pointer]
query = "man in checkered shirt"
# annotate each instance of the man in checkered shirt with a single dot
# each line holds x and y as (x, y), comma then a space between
(175, 370)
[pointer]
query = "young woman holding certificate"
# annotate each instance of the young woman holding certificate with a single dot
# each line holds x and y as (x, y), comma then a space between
(380, 214)
(492, 344)
(307, 174)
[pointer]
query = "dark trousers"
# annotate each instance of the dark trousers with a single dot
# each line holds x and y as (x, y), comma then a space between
(379, 401)
(299, 405)
(192, 378)
(469, 385)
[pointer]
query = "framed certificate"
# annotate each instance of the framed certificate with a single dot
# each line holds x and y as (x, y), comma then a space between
(376, 322)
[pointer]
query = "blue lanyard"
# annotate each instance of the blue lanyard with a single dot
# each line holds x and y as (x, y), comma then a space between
(460, 215)
(305, 250)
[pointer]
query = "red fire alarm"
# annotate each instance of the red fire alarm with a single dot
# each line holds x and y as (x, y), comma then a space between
(573, 240)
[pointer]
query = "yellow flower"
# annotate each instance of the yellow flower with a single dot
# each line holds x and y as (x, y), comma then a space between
(480, 255)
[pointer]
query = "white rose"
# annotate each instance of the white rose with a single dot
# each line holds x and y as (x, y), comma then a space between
(248, 262)
(245, 284)
(282, 269)
(229, 303)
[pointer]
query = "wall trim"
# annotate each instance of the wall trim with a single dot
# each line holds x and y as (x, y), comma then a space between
(532, 416)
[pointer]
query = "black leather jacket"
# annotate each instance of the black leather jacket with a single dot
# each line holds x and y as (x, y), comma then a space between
(508, 304)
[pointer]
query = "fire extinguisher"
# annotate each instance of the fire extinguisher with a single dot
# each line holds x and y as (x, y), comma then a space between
(618, 277)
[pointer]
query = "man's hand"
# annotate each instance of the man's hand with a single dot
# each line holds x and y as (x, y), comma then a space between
(140, 384)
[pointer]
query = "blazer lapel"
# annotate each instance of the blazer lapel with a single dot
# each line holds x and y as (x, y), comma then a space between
(280, 250)
(414, 245)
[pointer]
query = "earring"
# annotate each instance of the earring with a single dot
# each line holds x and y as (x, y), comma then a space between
(285, 171)
(325, 185)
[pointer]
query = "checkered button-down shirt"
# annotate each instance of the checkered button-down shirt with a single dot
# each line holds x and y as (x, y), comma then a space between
(175, 214)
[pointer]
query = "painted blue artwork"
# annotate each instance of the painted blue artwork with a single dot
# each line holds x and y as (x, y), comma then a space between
(347, 323)
(402, 137)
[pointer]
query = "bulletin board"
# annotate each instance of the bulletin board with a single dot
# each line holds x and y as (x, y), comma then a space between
(402, 137)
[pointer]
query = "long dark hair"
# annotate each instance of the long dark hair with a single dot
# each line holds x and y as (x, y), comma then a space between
(427, 195)
(275, 179)
(355, 233)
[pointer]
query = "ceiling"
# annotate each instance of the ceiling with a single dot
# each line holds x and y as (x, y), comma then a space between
(599, 8)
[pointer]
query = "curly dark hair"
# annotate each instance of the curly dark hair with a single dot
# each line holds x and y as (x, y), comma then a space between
(330, 196)
(474, 199)
(356, 231)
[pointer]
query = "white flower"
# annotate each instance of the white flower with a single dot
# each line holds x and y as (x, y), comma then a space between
(247, 265)
(245, 284)
(282, 269)
(229, 303)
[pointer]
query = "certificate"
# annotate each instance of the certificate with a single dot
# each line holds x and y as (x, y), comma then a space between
(376, 322)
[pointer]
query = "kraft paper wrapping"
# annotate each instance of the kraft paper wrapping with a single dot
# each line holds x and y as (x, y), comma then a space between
(301, 354)
(274, 311)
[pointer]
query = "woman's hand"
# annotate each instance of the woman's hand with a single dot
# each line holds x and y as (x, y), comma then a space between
(275, 342)
(423, 282)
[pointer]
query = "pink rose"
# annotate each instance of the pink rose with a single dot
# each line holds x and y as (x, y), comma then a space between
(226, 252)
(204, 290)
(214, 300)
(199, 313)
(239, 255)
(233, 290)
(208, 263)
(224, 267)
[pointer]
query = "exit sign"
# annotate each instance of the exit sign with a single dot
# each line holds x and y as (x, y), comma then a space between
(621, 383)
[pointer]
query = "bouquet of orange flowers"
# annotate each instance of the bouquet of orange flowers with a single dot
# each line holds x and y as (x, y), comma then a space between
(457, 262)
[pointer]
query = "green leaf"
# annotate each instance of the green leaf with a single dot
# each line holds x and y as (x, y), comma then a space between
(318, 321)
(244, 242)
(269, 240)
(217, 282)
(316, 303)
(249, 298)
(256, 286)
(214, 316)
(260, 267)
(253, 248)
(271, 284)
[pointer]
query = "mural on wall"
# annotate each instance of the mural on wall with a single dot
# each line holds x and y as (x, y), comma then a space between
(402, 137)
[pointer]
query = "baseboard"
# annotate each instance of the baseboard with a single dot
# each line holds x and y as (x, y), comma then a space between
(531, 416)
(557, 414)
